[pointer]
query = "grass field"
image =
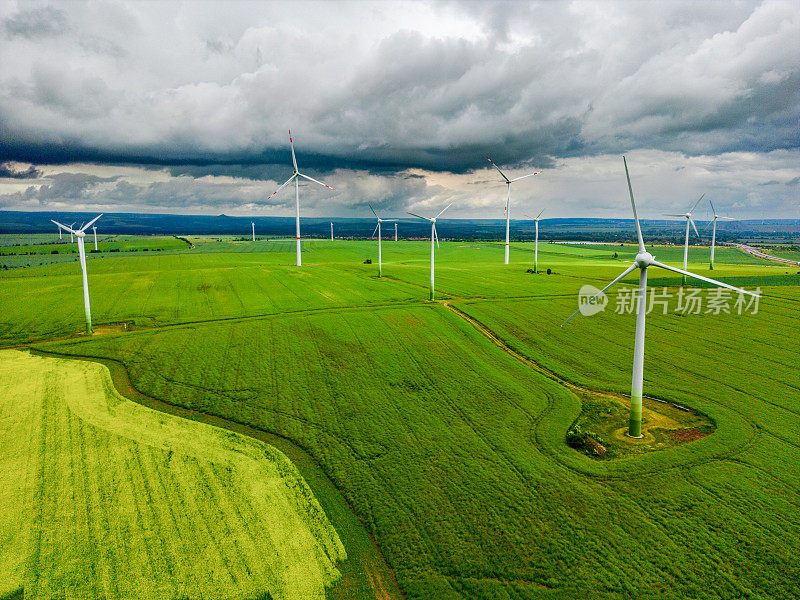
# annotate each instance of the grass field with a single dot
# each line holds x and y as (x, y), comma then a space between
(105, 498)
(450, 450)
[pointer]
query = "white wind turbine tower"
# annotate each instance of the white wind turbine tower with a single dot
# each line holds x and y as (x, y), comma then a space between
(714, 235)
(642, 261)
(59, 232)
(508, 197)
(688, 216)
(536, 246)
(94, 230)
(331, 230)
(71, 239)
(378, 229)
(253, 223)
(296, 177)
(434, 237)
(80, 233)
(395, 232)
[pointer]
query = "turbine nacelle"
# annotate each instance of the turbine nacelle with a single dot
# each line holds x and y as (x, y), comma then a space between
(80, 233)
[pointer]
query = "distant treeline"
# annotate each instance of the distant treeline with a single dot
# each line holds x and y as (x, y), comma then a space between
(605, 230)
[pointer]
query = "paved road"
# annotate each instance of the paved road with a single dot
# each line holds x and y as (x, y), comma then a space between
(760, 254)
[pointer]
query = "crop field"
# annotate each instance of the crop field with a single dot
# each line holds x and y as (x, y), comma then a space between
(33, 250)
(105, 498)
(441, 424)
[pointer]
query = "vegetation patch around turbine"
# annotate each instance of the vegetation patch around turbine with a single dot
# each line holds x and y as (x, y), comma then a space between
(600, 430)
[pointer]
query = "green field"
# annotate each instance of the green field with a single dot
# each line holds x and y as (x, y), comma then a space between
(103, 498)
(443, 424)
(33, 250)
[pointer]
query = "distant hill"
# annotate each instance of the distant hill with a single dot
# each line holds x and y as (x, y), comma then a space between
(484, 229)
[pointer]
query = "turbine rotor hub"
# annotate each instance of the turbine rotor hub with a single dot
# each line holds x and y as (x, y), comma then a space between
(80, 234)
(643, 259)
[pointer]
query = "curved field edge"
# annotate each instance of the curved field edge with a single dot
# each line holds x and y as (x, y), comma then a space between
(107, 498)
(364, 573)
(695, 361)
(734, 433)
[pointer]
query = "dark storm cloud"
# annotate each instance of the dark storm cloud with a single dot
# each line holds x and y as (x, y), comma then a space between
(61, 187)
(7, 170)
(557, 80)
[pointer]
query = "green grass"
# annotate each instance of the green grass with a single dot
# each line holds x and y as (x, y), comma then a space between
(451, 451)
(105, 498)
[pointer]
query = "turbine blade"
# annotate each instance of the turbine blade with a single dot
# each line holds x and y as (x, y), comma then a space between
(294, 158)
(288, 181)
(672, 215)
(693, 226)
(728, 218)
(319, 182)
(419, 216)
(85, 227)
(524, 176)
(712, 206)
(701, 278)
(444, 209)
(540, 214)
(435, 235)
(625, 273)
(498, 170)
(374, 231)
(696, 203)
(64, 227)
(373, 210)
(633, 206)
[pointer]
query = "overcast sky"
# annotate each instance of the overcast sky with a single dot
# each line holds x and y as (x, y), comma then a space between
(184, 107)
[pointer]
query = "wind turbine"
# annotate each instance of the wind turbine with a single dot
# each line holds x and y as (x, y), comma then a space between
(296, 177)
(331, 230)
(688, 216)
(94, 230)
(80, 233)
(536, 246)
(59, 232)
(253, 223)
(433, 236)
(71, 239)
(714, 235)
(508, 197)
(395, 232)
(378, 229)
(642, 261)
